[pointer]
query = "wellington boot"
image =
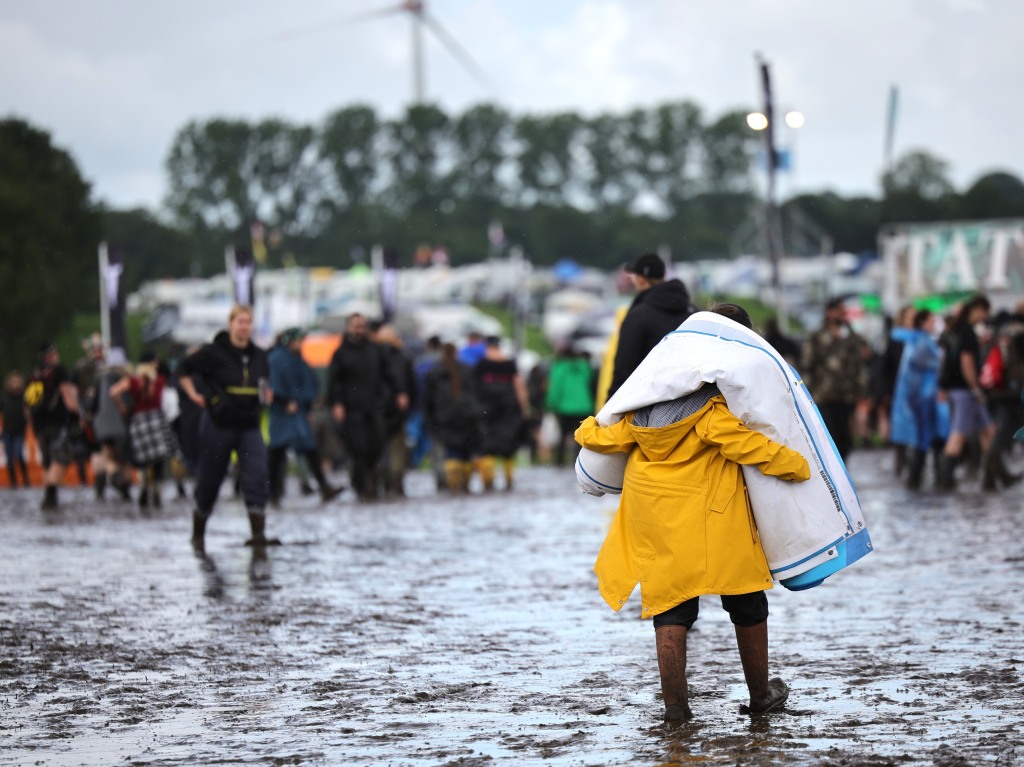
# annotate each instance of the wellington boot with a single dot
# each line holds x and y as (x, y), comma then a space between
(765, 695)
(467, 474)
(453, 475)
(155, 497)
(915, 469)
(198, 530)
(258, 524)
(100, 483)
(671, 644)
(946, 479)
(123, 487)
(510, 470)
(329, 493)
(49, 498)
(487, 467)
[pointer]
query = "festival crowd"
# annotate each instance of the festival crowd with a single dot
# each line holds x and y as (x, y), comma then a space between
(948, 387)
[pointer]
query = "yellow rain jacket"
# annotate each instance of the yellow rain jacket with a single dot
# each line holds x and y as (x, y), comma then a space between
(684, 525)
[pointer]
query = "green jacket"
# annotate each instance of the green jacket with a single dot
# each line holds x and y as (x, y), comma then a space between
(570, 390)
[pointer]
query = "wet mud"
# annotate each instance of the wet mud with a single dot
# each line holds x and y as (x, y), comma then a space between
(468, 631)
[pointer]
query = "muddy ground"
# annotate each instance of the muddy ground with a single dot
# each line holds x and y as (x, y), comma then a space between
(438, 631)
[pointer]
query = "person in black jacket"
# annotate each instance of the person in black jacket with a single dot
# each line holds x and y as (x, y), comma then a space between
(359, 380)
(660, 307)
(233, 375)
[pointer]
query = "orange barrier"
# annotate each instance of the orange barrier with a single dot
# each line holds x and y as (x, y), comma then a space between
(35, 468)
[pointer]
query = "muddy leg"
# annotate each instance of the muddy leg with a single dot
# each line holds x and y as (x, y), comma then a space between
(765, 695)
(671, 643)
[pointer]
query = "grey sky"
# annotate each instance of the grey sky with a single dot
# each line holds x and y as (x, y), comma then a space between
(113, 80)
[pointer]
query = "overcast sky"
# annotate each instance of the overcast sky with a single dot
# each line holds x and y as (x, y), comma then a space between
(113, 80)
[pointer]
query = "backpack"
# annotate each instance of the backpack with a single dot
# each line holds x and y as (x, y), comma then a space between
(35, 396)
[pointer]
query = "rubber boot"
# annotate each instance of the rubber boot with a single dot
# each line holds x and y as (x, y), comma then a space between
(765, 695)
(487, 467)
(258, 524)
(328, 492)
(467, 474)
(144, 496)
(121, 485)
(100, 483)
(671, 643)
(510, 468)
(945, 480)
(915, 469)
(901, 459)
(49, 498)
(453, 475)
(198, 530)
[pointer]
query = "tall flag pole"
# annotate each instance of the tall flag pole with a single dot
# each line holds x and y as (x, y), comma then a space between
(773, 234)
(887, 152)
(112, 303)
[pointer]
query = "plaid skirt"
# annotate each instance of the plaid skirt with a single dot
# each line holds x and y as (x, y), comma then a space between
(150, 437)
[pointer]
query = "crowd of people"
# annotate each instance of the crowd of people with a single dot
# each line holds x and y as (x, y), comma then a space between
(232, 409)
(945, 386)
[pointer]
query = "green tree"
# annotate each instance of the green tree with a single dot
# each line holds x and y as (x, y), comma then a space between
(152, 249)
(419, 155)
(481, 137)
(994, 195)
(664, 143)
(919, 173)
(48, 261)
(545, 158)
(350, 143)
(728, 154)
(226, 174)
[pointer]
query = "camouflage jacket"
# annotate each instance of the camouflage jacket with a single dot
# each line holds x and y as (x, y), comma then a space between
(834, 367)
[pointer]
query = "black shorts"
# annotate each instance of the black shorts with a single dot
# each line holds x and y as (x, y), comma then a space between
(743, 609)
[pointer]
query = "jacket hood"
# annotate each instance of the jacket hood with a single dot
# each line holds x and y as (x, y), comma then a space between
(658, 442)
(670, 296)
(223, 340)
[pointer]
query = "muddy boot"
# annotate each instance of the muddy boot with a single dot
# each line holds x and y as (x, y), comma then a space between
(915, 469)
(487, 467)
(901, 461)
(467, 474)
(258, 524)
(945, 478)
(121, 485)
(199, 530)
(329, 493)
(765, 695)
(510, 469)
(671, 643)
(100, 483)
(49, 498)
(453, 475)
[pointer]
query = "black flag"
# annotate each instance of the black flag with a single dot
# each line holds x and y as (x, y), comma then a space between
(111, 272)
(242, 270)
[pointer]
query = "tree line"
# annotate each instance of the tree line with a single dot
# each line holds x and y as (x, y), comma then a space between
(599, 189)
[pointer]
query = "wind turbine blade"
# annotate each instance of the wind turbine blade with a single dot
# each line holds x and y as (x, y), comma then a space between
(457, 50)
(298, 34)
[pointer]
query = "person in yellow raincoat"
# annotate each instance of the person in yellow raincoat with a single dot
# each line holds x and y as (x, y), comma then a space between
(684, 528)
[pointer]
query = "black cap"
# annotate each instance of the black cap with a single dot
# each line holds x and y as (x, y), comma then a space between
(649, 265)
